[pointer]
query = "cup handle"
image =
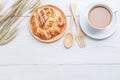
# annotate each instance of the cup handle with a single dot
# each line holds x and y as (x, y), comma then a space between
(116, 11)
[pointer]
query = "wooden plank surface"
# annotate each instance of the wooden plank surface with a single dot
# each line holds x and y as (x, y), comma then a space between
(60, 72)
(28, 59)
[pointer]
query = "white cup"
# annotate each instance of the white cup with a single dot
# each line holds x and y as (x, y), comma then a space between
(95, 28)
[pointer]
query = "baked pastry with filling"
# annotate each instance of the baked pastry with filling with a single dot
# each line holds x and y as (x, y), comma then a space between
(47, 23)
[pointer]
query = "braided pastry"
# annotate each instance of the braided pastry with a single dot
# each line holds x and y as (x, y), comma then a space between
(47, 23)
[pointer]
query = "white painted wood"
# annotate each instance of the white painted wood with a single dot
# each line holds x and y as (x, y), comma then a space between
(60, 72)
(28, 59)
(26, 50)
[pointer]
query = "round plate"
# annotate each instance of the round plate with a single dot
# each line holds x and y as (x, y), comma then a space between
(96, 34)
(56, 37)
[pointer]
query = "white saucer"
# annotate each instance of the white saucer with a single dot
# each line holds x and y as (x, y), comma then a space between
(92, 33)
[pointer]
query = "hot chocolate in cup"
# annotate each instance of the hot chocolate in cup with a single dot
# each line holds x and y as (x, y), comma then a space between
(99, 17)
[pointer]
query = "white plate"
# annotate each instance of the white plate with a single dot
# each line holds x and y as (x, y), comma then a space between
(92, 33)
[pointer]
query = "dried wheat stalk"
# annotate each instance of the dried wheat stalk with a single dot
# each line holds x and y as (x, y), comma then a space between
(7, 33)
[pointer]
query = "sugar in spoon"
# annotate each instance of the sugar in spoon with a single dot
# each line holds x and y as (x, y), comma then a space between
(69, 38)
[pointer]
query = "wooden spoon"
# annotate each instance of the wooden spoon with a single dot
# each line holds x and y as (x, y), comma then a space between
(69, 39)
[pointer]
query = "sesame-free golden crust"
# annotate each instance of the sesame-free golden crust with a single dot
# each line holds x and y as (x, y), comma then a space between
(47, 23)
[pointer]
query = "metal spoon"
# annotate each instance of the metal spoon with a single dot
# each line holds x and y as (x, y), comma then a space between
(69, 39)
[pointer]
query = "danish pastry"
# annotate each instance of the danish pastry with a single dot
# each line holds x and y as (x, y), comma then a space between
(47, 23)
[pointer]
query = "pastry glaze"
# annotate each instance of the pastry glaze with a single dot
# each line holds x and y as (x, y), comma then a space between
(47, 23)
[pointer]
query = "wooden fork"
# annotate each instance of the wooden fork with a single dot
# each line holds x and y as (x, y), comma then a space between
(80, 36)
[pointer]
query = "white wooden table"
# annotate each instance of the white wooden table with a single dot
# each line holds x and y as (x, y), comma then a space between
(28, 59)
